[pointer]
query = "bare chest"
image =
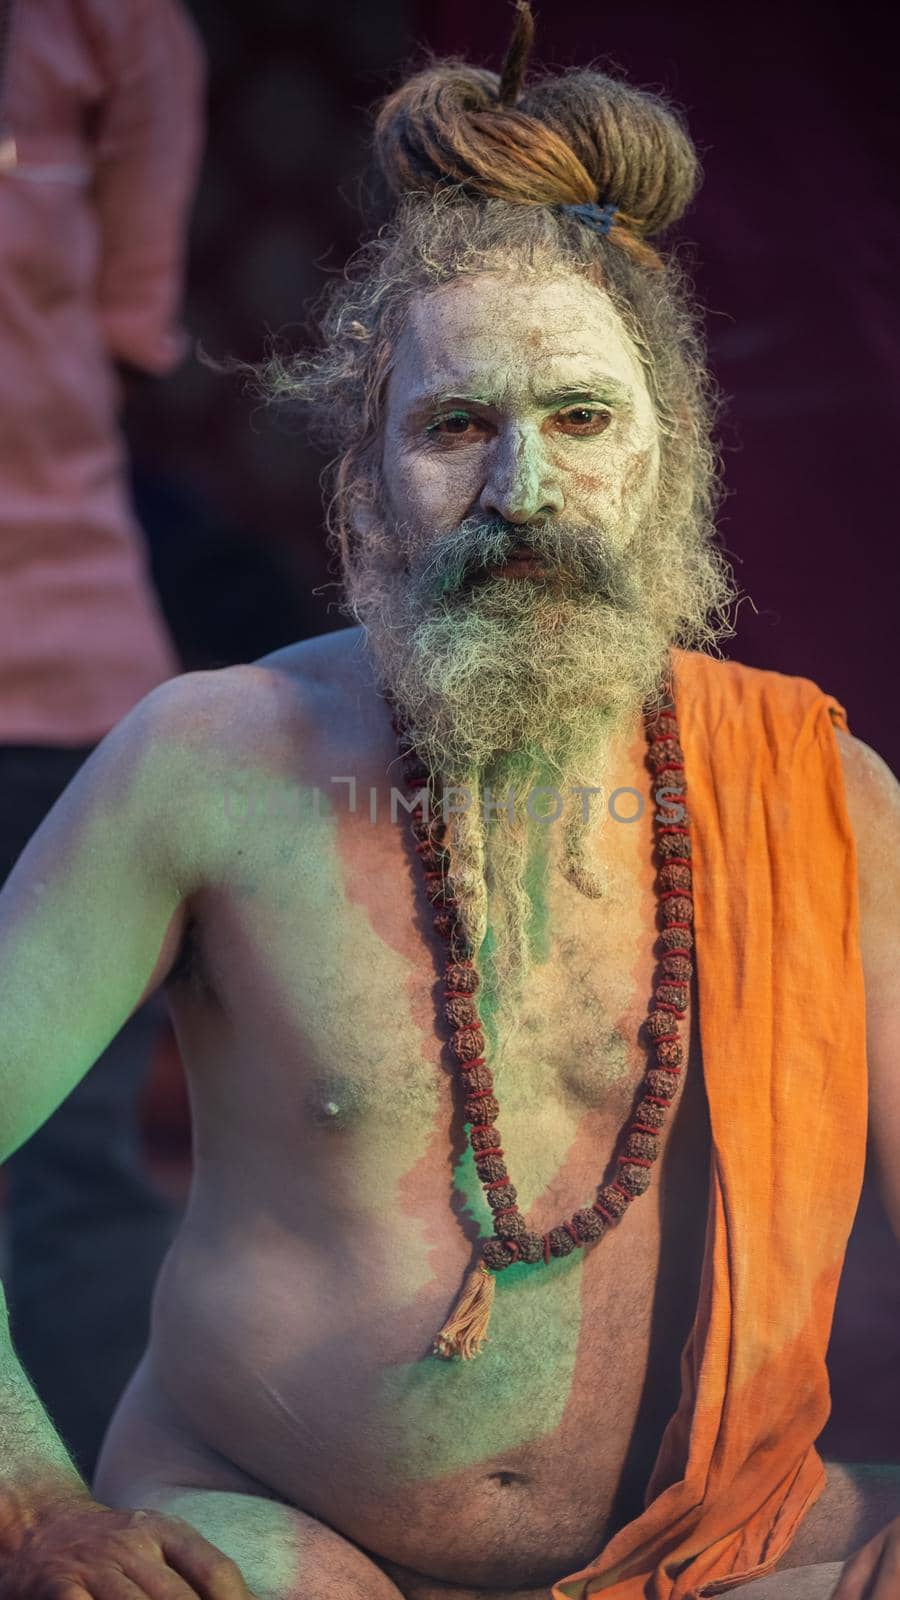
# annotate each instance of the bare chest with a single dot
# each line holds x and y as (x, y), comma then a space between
(314, 958)
(308, 1007)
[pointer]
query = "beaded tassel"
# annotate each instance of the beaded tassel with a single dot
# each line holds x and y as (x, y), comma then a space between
(465, 1331)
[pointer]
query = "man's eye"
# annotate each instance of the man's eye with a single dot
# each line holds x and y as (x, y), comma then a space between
(586, 419)
(456, 424)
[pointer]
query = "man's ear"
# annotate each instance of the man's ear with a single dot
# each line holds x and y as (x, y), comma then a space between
(362, 518)
(352, 503)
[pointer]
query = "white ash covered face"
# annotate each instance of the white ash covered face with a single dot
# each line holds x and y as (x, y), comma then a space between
(524, 402)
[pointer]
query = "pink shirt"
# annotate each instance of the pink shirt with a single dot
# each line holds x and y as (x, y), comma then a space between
(104, 101)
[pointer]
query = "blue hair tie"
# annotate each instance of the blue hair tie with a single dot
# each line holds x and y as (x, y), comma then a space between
(598, 218)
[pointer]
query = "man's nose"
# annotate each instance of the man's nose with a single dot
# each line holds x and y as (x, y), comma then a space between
(521, 483)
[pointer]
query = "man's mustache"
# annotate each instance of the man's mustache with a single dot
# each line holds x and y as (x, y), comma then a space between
(582, 558)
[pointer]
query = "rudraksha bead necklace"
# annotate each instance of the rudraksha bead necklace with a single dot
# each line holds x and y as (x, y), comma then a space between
(465, 1331)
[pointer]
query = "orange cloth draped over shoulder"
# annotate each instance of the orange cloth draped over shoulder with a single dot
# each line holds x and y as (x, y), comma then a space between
(782, 1030)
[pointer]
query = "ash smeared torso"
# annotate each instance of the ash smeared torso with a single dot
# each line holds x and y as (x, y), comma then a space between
(335, 1204)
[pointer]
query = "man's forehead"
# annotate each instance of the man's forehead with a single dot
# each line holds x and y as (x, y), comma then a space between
(488, 335)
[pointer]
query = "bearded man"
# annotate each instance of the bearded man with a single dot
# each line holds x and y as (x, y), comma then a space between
(353, 1390)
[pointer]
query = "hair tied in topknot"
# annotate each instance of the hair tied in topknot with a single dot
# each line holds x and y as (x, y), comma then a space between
(512, 72)
(577, 138)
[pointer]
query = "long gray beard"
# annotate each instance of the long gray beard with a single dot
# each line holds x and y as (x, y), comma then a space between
(521, 683)
(508, 712)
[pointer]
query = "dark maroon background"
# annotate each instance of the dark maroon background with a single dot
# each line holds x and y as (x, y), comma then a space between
(798, 239)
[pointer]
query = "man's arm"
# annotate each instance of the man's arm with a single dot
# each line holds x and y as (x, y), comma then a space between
(36, 1466)
(90, 917)
(90, 922)
(873, 803)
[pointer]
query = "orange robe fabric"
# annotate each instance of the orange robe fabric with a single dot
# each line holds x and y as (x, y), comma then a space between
(782, 1028)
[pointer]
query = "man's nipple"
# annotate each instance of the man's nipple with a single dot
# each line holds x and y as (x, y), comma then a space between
(334, 1101)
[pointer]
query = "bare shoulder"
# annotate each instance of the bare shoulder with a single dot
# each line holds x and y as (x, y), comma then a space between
(873, 805)
(202, 732)
(232, 713)
(337, 661)
(866, 773)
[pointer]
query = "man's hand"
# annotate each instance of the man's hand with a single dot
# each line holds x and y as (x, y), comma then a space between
(873, 1571)
(85, 1551)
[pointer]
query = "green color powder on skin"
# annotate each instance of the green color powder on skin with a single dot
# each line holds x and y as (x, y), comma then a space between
(536, 875)
(438, 1417)
(279, 1549)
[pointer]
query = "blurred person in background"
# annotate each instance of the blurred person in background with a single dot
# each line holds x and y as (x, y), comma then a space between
(101, 125)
